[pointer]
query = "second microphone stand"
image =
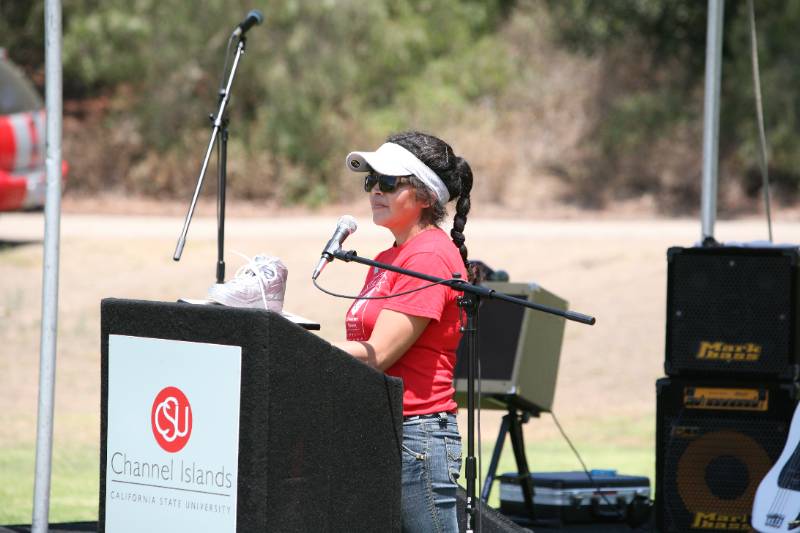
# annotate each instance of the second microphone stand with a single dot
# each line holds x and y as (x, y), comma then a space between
(219, 135)
(470, 303)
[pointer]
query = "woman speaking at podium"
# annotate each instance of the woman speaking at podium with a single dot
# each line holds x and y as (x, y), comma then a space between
(414, 336)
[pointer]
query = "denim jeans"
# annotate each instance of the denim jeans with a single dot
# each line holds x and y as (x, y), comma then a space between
(431, 465)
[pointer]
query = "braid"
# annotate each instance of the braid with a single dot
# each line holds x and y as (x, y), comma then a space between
(464, 173)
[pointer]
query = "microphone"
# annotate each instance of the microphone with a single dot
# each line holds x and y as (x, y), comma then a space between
(344, 227)
(253, 18)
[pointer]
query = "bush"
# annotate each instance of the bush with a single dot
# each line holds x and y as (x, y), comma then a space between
(319, 78)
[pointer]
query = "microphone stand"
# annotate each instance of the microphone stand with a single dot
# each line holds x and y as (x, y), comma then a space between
(470, 303)
(219, 135)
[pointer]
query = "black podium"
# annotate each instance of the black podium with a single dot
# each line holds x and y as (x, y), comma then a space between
(319, 433)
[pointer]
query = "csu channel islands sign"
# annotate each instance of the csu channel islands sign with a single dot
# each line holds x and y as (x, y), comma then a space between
(171, 419)
(173, 435)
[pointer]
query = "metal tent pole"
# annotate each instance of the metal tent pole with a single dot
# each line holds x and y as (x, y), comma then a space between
(47, 354)
(716, 10)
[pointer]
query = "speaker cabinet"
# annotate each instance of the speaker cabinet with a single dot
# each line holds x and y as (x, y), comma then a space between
(518, 349)
(732, 311)
(715, 441)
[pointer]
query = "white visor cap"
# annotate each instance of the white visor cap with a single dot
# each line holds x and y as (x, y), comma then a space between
(394, 160)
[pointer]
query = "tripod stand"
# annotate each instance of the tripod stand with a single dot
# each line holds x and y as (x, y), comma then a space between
(519, 412)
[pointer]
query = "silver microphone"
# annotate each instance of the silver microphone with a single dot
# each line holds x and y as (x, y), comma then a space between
(344, 227)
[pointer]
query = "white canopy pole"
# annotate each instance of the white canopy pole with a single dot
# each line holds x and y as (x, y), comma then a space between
(52, 211)
(716, 10)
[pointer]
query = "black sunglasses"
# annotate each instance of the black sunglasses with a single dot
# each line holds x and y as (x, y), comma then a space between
(385, 183)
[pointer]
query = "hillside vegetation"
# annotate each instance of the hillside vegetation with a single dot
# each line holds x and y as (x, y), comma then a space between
(573, 101)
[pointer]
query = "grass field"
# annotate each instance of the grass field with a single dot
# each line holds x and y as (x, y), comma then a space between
(605, 400)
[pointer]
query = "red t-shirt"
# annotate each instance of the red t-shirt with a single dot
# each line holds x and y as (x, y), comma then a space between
(427, 367)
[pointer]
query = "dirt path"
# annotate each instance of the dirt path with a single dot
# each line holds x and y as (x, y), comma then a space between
(612, 269)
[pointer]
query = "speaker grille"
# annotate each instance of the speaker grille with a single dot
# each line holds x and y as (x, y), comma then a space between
(498, 335)
(715, 472)
(731, 311)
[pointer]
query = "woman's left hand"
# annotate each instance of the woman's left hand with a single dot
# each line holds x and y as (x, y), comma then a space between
(392, 336)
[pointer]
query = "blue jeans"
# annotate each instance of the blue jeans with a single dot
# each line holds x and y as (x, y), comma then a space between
(431, 465)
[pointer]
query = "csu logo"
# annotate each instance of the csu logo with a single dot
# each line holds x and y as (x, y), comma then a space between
(171, 419)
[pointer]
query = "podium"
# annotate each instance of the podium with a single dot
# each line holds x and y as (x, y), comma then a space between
(230, 420)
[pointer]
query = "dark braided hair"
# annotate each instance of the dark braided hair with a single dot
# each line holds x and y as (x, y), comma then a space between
(456, 174)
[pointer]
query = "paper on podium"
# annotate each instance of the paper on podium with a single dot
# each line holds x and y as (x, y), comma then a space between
(297, 319)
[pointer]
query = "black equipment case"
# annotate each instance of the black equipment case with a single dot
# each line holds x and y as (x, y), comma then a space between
(572, 497)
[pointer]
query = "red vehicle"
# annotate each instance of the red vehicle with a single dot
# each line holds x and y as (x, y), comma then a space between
(22, 141)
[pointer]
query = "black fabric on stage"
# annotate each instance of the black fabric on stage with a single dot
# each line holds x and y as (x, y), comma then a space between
(491, 519)
(320, 433)
(490, 526)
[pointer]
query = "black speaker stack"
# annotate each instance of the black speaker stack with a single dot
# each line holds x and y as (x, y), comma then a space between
(724, 410)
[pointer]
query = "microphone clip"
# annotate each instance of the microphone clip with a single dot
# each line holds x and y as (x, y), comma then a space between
(345, 256)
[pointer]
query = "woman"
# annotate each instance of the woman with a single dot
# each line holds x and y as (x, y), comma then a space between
(414, 336)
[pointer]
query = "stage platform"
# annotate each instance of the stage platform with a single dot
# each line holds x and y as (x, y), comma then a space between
(91, 527)
(493, 522)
